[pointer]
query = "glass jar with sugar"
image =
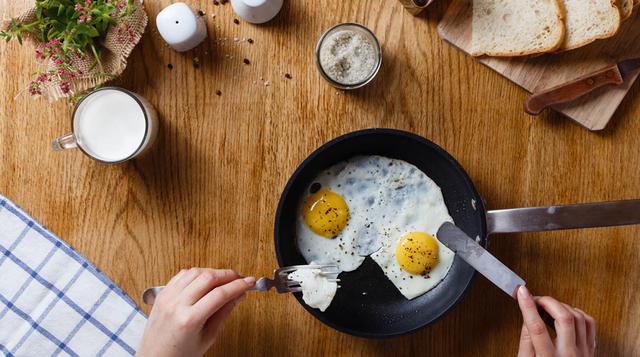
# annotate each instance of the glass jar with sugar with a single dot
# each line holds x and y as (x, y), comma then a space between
(348, 56)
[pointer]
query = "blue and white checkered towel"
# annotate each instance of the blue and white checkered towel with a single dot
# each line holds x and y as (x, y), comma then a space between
(55, 302)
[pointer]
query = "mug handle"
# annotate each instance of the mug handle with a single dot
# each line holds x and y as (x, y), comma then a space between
(64, 142)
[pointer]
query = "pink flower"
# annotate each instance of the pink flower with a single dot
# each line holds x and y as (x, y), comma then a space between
(42, 77)
(87, 3)
(81, 19)
(34, 88)
(65, 87)
(39, 55)
(58, 60)
(52, 43)
(78, 8)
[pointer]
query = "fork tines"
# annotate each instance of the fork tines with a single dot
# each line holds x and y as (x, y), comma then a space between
(297, 267)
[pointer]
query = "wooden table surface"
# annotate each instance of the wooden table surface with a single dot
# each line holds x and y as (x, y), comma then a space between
(207, 194)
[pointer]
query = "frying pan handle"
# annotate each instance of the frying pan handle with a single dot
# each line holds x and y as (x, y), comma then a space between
(550, 218)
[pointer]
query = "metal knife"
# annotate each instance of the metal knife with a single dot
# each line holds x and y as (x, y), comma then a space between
(614, 74)
(484, 263)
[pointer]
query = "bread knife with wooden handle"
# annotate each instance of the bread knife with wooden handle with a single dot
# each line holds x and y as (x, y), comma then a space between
(567, 92)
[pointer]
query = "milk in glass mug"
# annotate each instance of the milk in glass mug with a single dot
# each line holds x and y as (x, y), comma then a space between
(111, 125)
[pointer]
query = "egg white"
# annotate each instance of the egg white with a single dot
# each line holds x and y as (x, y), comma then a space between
(387, 198)
(411, 285)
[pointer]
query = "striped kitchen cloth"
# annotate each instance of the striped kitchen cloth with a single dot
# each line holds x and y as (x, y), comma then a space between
(53, 301)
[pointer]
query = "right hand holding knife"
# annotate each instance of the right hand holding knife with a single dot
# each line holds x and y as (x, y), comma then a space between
(575, 329)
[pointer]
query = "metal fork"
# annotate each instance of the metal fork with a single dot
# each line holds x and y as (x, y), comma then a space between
(280, 281)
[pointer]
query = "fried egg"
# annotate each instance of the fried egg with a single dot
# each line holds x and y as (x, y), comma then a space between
(415, 263)
(365, 206)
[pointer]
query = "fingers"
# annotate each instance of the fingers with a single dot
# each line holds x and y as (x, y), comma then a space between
(526, 345)
(214, 324)
(220, 296)
(590, 323)
(564, 322)
(186, 278)
(581, 329)
(176, 277)
(206, 281)
(169, 290)
(535, 326)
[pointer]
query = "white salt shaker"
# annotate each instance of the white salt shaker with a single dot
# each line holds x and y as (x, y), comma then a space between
(257, 11)
(180, 27)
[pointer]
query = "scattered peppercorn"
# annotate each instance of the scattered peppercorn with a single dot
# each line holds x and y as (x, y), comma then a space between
(170, 66)
(250, 41)
(287, 76)
(218, 92)
(246, 61)
(216, 3)
(224, 1)
(236, 21)
(201, 13)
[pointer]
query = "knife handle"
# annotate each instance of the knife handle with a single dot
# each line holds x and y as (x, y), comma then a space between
(575, 89)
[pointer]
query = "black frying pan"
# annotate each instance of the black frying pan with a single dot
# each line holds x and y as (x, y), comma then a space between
(368, 304)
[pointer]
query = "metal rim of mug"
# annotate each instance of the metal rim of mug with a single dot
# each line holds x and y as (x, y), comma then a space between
(371, 76)
(146, 122)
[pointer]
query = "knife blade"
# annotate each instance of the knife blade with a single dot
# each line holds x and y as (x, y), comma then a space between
(479, 258)
(615, 74)
(484, 263)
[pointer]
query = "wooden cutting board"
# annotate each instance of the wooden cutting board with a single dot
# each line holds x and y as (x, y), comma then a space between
(594, 110)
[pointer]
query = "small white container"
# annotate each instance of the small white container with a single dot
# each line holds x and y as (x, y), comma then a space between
(257, 11)
(180, 27)
(372, 39)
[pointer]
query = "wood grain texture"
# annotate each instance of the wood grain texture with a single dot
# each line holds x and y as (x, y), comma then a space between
(537, 73)
(207, 194)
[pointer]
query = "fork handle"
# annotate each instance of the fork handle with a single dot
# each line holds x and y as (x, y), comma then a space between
(149, 295)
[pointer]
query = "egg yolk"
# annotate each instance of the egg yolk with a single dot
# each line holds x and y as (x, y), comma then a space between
(326, 213)
(417, 253)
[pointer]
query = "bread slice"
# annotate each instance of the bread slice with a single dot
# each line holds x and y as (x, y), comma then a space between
(589, 20)
(516, 27)
(626, 8)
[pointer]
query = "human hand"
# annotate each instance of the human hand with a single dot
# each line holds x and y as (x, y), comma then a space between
(190, 310)
(575, 330)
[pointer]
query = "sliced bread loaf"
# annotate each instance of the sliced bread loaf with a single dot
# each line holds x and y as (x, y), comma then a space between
(516, 27)
(626, 8)
(589, 20)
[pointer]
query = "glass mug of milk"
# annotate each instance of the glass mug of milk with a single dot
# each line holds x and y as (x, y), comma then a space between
(111, 125)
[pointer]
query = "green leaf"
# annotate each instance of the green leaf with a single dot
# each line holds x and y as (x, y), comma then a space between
(93, 32)
(51, 34)
(61, 10)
